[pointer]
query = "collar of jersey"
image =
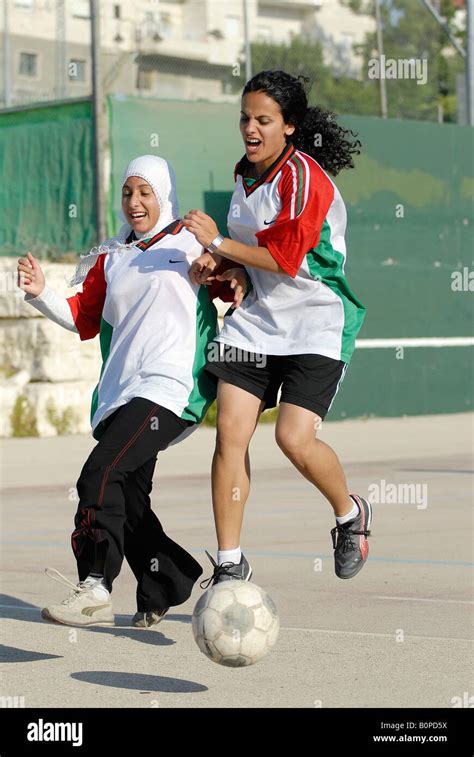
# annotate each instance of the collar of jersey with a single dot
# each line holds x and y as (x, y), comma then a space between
(269, 174)
(173, 228)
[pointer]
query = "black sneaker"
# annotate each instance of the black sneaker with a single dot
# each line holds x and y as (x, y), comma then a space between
(352, 547)
(228, 571)
(149, 618)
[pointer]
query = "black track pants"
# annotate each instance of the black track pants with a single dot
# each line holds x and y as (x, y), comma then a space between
(114, 514)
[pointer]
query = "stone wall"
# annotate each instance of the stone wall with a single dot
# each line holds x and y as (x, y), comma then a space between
(42, 362)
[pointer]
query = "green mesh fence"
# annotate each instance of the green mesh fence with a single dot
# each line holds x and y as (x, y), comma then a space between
(409, 205)
(46, 187)
(409, 235)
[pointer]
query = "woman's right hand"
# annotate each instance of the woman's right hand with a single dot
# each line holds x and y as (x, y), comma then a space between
(30, 275)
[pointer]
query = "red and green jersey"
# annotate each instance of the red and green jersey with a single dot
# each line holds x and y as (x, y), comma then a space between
(294, 210)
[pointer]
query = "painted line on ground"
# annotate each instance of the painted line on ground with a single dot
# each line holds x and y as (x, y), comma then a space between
(391, 636)
(429, 599)
(299, 555)
(422, 341)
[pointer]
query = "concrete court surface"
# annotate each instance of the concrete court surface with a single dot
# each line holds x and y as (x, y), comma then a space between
(397, 635)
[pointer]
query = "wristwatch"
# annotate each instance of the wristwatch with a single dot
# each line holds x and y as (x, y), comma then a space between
(215, 244)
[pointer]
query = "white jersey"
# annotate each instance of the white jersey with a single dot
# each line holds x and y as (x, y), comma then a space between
(154, 325)
(297, 213)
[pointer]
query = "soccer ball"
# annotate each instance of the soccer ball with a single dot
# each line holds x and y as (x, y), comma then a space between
(235, 623)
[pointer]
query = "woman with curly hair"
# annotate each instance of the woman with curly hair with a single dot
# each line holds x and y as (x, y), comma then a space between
(296, 330)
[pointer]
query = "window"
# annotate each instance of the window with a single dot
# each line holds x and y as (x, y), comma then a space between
(232, 26)
(116, 11)
(166, 25)
(264, 34)
(28, 4)
(145, 79)
(76, 70)
(150, 26)
(28, 64)
(81, 9)
(347, 41)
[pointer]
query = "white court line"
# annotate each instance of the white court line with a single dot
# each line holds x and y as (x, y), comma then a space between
(308, 630)
(379, 635)
(422, 599)
(419, 341)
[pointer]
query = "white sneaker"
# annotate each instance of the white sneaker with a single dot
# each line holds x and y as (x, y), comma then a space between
(82, 607)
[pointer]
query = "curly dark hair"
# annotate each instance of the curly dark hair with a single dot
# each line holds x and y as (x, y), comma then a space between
(317, 132)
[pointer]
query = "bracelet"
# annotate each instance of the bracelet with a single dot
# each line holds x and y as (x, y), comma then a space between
(215, 244)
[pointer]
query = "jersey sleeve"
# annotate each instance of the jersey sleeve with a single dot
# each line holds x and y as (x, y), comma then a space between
(86, 306)
(222, 289)
(306, 195)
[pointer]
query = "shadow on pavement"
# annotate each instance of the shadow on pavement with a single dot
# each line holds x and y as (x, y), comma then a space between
(17, 609)
(139, 682)
(13, 654)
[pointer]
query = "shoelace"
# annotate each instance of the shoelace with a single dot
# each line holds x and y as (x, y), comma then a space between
(346, 537)
(219, 570)
(76, 589)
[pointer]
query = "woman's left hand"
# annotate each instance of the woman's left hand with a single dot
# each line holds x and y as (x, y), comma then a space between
(237, 278)
(202, 226)
(203, 267)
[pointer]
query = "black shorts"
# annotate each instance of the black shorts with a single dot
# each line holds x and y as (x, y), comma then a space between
(309, 381)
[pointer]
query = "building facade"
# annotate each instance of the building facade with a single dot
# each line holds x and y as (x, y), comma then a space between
(178, 49)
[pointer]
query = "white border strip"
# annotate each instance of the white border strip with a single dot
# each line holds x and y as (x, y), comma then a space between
(423, 341)
(428, 599)
(368, 633)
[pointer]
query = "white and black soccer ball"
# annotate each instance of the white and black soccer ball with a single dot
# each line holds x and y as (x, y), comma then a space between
(235, 623)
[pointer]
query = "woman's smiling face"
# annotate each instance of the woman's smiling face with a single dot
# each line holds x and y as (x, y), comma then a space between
(263, 129)
(139, 204)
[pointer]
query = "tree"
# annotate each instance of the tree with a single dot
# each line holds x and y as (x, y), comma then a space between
(410, 31)
(305, 58)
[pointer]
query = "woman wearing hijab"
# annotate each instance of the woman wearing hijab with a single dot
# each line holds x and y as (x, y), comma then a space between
(154, 327)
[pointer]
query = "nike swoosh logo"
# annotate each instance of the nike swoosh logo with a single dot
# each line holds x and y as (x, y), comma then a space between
(177, 261)
(269, 222)
(90, 610)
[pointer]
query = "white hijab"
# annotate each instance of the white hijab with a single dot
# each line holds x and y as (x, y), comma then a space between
(160, 176)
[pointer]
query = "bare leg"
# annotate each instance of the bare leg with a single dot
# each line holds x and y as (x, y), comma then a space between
(238, 412)
(295, 434)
